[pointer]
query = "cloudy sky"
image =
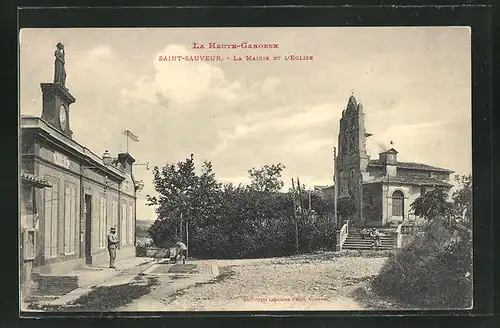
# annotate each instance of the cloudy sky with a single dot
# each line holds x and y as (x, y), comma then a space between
(414, 84)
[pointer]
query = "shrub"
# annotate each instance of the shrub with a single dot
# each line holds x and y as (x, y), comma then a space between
(433, 271)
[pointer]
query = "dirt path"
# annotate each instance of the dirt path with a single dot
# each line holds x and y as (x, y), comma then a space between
(297, 283)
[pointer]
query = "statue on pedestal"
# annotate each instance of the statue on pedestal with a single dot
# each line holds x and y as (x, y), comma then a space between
(60, 72)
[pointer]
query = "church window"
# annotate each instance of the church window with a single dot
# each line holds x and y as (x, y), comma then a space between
(352, 144)
(397, 203)
(344, 145)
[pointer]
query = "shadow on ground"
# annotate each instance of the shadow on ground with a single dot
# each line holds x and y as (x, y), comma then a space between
(105, 298)
(225, 272)
(366, 295)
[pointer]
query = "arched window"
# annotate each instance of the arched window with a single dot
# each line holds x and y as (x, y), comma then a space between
(397, 203)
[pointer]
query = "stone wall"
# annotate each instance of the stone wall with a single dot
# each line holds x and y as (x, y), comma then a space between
(372, 201)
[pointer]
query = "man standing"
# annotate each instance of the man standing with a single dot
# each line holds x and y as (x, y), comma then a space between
(112, 245)
(182, 250)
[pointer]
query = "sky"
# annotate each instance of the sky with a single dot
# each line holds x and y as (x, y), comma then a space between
(414, 84)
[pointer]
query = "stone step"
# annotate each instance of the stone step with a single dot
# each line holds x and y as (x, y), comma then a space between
(369, 240)
(359, 247)
(381, 238)
(54, 284)
(367, 245)
(357, 235)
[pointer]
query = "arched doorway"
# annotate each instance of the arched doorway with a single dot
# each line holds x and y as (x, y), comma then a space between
(398, 199)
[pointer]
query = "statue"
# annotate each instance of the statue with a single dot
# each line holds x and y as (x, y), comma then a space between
(60, 72)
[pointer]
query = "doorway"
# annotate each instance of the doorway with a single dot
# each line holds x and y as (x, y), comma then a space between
(88, 229)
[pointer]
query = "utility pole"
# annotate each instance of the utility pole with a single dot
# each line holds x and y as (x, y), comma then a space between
(335, 184)
(295, 218)
(180, 227)
(187, 238)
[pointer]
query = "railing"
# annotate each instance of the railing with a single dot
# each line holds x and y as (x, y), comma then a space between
(409, 229)
(399, 236)
(341, 236)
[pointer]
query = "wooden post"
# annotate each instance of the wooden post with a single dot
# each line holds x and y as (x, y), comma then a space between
(335, 184)
(180, 228)
(309, 200)
(295, 219)
(187, 238)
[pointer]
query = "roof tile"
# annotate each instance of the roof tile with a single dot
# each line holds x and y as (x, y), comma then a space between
(411, 166)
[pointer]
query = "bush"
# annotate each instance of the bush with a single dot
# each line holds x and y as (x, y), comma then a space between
(140, 249)
(433, 271)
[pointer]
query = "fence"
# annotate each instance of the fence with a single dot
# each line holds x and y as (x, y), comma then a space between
(341, 235)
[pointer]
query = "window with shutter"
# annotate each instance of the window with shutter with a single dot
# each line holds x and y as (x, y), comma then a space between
(130, 227)
(51, 217)
(123, 224)
(397, 203)
(67, 218)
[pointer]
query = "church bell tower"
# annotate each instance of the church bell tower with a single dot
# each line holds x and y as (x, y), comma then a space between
(56, 97)
(352, 158)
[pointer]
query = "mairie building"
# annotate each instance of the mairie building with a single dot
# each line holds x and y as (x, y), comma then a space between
(69, 196)
(383, 188)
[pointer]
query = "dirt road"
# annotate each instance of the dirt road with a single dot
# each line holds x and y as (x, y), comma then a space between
(311, 282)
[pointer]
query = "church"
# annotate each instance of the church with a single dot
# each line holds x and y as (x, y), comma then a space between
(382, 189)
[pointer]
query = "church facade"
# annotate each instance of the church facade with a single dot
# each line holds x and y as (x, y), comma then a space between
(382, 189)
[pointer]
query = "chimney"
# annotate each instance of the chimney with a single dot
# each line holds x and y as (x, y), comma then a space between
(126, 161)
(389, 159)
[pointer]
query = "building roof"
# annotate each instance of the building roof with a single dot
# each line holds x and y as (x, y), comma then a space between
(402, 179)
(390, 151)
(87, 156)
(321, 188)
(411, 166)
(34, 180)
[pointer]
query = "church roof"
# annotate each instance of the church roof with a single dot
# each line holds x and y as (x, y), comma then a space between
(403, 179)
(411, 166)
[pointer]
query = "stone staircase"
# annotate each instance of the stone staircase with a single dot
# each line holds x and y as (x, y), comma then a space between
(355, 241)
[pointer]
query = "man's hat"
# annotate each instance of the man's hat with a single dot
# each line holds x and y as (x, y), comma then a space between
(113, 229)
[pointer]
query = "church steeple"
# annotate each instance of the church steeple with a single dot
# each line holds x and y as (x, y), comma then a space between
(353, 158)
(352, 105)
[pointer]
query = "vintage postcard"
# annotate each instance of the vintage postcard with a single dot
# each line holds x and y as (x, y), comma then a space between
(245, 169)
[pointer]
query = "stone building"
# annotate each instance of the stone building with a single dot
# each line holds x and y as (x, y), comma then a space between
(382, 189)
(69, 196)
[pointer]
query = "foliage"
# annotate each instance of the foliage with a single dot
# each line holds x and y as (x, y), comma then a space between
(346, 208)
(267, 178)
(228, 221)
(434, 270)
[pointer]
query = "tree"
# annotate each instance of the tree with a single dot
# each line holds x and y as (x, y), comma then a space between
(266, 178)
(182, 194)
(433, 205)
(462, 197)
(346, 208)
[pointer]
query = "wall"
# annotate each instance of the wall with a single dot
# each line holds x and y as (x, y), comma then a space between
(63, 176)
(388, 190)
(372, 201)
(27, 223)
(411, 193)
(55, 164)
